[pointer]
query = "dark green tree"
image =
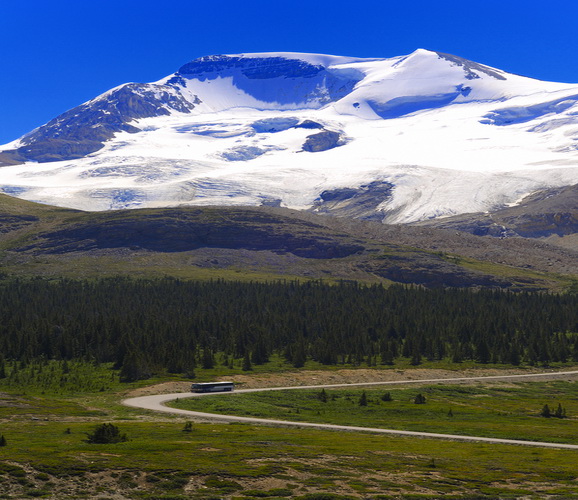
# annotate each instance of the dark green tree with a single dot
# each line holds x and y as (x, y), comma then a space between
(363, 399)
(560, 412)
(106, 434)
(208, 359)
(419, 399)
(386, 397)
(247, 362)
(134, 368)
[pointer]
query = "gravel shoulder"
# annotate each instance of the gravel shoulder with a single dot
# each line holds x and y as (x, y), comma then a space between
(348, 376)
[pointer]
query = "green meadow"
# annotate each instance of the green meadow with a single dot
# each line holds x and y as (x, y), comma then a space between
(169, 457)
(506, 410)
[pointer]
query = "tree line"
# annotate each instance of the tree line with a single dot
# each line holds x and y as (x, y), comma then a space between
(146, 326)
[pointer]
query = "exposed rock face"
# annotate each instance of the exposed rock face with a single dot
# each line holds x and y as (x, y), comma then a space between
(322, 141)
(309, 124)
(542, 214)
(252, 68)
(471, 68)
(275, 80)
(84, 129)
(360, 203)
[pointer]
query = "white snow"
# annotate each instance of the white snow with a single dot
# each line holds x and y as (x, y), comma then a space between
(415, 121)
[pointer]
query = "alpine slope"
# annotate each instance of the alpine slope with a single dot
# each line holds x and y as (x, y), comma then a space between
(400, 139)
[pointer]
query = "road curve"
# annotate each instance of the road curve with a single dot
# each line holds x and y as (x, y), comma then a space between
(157, 403)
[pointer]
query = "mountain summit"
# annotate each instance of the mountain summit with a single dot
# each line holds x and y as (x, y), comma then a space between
(399, 139)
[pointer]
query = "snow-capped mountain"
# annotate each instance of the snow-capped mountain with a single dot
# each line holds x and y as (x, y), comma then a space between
(399, 139)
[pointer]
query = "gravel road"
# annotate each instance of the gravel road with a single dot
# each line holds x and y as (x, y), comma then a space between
(157, 403)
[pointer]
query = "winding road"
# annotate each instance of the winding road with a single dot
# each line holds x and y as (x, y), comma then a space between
(157, 403)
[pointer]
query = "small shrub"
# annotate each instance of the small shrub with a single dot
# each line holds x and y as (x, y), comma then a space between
(106, 434)
(188, 427)
(324, 496)
(419, 399)
(276, 492)
(222, 484)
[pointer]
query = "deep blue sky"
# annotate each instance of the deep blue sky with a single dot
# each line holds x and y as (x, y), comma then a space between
(56, 54)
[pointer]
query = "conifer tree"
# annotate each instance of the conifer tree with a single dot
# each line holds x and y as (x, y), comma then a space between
(247, 362)
(105, 434)
(386, 397)
(134, 368)
(560, 412)
(419, 399)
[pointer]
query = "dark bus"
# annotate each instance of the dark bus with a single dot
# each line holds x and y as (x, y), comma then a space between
(213, 387)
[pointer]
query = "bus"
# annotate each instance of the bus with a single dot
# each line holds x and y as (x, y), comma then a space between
(213, 387)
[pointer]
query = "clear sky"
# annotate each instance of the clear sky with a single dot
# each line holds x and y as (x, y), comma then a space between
(56, 54)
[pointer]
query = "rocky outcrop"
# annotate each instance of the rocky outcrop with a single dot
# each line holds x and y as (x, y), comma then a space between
(542, 214)
(322, 141)
(358, 203)
(84, 129)
(253, 68)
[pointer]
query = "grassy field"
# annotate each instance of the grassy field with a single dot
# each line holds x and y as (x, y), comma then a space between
(47, 456)
(510, 411)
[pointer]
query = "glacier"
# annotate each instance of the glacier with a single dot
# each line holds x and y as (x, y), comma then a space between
(421, 136)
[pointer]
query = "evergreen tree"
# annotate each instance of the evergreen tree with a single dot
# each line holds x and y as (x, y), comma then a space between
(419, 399)
(247, 362)
(483, 352)
(386, 397)
(208, 360)
(560, 412)
(299, 356)
(134, 368)
(546, 411)
(363, 399)
(105, 434)
(3, 440)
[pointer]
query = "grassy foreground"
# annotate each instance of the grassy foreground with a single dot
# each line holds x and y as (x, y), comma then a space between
(47, 456)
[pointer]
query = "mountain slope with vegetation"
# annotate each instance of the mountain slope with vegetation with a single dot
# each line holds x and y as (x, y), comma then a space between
(266, 243)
